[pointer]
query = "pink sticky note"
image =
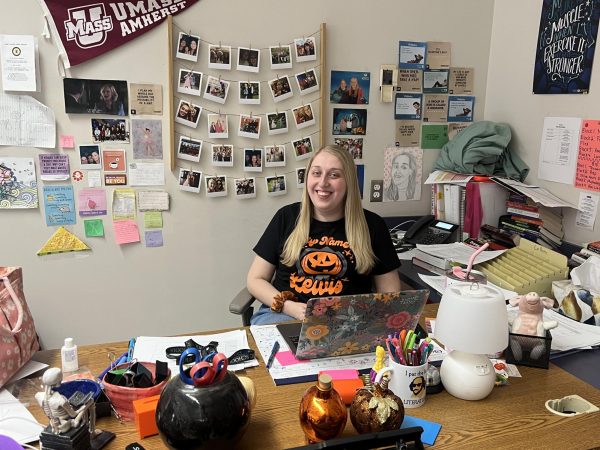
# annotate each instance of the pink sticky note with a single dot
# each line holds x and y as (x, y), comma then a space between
(126, 232)
(341, 374)
(288, 358)
(67, 141)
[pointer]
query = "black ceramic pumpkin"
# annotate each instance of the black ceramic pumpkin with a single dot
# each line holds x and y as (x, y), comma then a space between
(206, 417)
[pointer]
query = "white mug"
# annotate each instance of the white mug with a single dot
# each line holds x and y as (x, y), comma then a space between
(407, 382)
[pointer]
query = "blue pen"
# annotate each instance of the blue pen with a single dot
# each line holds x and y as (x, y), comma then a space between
(130, 349)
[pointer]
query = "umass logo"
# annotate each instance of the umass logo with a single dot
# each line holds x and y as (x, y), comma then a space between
(88, 25)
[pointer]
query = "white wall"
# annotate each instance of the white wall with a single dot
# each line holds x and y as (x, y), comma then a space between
(113, 292)
(509, 98)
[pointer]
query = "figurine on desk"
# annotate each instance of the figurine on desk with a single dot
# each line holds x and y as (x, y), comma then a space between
(69, 427)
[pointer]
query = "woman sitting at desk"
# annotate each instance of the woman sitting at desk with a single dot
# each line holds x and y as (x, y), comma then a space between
(327, 245)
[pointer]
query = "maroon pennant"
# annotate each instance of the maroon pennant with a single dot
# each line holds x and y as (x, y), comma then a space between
(89, 28)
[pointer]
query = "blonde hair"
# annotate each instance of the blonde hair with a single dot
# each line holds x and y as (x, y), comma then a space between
(357, 230)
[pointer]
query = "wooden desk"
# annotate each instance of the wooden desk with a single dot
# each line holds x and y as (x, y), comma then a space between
(512, 416)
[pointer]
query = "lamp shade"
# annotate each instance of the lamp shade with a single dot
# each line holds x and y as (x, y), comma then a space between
(472, 319)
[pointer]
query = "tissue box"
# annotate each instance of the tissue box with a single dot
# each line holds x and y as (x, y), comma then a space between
(527, 350)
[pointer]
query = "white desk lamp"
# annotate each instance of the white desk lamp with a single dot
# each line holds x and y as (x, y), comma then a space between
(471, 321)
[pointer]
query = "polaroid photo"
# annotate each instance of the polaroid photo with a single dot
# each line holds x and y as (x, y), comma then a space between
(189, 149)
(217, 126)
(245, 187)
(216, 89)
(303, 116)
(253, 159)
(276, 185)
(110, 130)
(281, 57)
(248, 59)
(219, 57)
(187, 47)
(306, 49)
(280, 88)
(189, 180)
(85, 96)
(216, 185)
(275, 156)
(277, 122)
(249, 92)
(90, 157)
(113, 160)
(303, 148)
(300, 177)
(249, 126)
(188, 114)
(190, 82)
(307, 81)
(354, 146)
(222, 155)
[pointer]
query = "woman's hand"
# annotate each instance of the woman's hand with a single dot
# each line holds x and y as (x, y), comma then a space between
(295, 309)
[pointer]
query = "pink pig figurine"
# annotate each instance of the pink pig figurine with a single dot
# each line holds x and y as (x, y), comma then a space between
(530, 320)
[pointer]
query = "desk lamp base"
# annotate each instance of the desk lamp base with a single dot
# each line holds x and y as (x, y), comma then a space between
(467, 376)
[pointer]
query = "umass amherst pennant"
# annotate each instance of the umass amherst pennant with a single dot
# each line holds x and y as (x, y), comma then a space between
(89, 28)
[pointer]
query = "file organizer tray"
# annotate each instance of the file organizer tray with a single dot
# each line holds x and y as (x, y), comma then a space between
(535, 350)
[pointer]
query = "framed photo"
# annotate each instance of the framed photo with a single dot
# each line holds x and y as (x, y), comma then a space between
(190, 82)
(216, 185)
(189, 180)
(307, 81)
(280, 88)
(350, 87)
(216, 89)
(222, 155)
(110, 130)
(219, 57)
(147, 139)
(303, 116)
(281, 57)
(300, 177)
(113, 160)
(349, 121)
(303, 148)
(189, 149)
(274, 155)
(245, 187)
(187, 47)
(306, 49)
(253, 159)
(249, 92)
(188, 114)
(354, 146)
(277, 122)
(248, 59)
(84, 96)
(249, 126)
(276, 185)
(90, 157)
(217, 126)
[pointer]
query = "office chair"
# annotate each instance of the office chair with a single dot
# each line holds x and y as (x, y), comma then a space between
(242, 304)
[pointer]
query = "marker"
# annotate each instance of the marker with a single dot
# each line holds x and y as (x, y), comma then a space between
(274, 351)
(130, 349)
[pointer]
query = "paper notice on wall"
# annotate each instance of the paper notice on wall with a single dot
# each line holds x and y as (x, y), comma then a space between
(54, 166)
(18, 62)
(145, 98)
(558, 152)
(587, 175)
(146, 174)
(588, 208)
(126, 232)
(153, 200)
(123, 206)
(25, 122)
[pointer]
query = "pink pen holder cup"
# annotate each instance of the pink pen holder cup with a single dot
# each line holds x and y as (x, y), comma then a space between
(122, 397)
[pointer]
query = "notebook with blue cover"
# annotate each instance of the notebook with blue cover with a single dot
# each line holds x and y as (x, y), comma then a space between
(352, 324)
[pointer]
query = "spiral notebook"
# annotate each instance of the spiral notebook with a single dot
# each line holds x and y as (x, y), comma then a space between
(352, 324)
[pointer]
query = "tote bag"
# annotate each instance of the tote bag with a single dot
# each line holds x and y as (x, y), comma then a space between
(18, 339)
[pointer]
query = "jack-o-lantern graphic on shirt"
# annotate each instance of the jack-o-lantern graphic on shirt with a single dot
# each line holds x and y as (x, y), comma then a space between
(322, 262)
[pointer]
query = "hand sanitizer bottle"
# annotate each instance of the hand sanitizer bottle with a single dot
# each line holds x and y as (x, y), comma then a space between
(68, 356)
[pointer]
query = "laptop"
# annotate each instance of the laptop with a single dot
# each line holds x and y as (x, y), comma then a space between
(352, 324)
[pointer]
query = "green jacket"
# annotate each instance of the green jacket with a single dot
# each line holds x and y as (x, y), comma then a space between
(482, 148)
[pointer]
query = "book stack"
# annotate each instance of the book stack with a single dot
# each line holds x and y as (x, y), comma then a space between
(532, 221)
(432, 263)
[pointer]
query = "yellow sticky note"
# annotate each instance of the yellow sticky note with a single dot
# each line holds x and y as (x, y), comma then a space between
(153, 219)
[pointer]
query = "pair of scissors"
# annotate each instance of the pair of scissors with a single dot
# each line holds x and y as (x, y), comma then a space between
(205, 372)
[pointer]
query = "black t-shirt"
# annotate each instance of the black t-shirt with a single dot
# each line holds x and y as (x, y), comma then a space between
(327, 265)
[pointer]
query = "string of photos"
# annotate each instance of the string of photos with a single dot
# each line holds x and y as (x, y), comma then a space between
(200, 123)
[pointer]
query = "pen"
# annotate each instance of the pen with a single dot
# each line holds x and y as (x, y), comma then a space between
(273, 353)
(130, 349)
